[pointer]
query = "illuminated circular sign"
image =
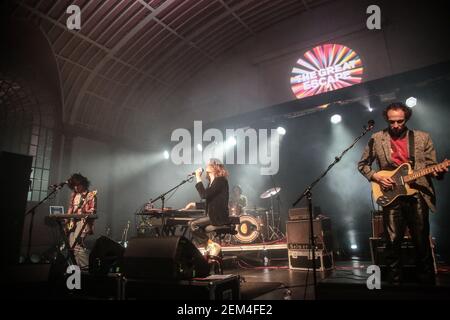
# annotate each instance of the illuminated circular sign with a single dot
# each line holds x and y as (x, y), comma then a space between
(326, 68)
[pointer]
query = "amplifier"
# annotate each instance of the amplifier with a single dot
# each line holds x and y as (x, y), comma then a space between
(298, 214)
(298, 237)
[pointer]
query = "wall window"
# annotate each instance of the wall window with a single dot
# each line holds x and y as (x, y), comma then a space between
(25, 129)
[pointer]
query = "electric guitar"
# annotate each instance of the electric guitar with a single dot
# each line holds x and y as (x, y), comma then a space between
(71, 225)
(402, 176)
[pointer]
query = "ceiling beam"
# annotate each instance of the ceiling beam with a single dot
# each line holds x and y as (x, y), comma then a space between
(110, 55)
(230, 11)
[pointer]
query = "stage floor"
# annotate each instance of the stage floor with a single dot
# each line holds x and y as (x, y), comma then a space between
(346, 281)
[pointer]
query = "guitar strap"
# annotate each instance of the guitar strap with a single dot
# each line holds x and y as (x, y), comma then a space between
(412, 158)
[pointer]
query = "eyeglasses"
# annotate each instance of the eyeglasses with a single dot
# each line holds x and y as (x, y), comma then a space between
(397, 121)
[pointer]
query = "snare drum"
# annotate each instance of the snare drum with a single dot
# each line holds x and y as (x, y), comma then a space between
(248, 229)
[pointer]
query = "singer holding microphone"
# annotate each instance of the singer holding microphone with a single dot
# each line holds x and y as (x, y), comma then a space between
(82, 201)
(390, 148)
(216, 196)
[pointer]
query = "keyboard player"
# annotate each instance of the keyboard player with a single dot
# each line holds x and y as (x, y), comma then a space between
(216, 195)
(82, 201)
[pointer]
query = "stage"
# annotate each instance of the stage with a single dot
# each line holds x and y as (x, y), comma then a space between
(346, 282)
(251, 272)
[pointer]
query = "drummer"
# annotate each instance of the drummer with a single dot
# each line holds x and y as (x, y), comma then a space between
(237, 201)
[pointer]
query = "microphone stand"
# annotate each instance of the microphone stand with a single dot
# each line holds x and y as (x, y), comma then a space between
(32, 211)
(163, 198)
(308, 194)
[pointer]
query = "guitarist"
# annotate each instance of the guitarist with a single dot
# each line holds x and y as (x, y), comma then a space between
(390, 148)
(82, 201)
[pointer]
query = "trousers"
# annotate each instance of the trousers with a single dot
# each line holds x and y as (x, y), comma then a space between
(411, 212)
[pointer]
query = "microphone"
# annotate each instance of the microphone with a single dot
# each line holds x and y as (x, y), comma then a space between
(370, 124)
(193, 173)
(59, 185)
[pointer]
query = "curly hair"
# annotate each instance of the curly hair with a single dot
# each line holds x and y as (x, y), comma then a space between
(78, 179)
(218, 168)
(398, 106)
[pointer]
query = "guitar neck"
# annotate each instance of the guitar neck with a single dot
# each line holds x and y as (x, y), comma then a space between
(423, 172)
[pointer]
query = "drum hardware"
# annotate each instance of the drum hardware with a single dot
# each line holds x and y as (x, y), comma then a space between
(124, 240)
(273, 231)
(255, 211)
(248, 230)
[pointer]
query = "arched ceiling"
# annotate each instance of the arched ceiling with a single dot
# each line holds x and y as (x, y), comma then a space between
(130, 55)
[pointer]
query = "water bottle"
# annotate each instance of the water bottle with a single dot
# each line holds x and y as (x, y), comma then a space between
(287, 294)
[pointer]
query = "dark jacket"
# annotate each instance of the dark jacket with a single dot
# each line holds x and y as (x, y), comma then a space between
(216, 196)
(379, 150)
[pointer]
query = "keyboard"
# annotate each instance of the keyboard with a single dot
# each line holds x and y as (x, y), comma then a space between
(72, 216)
(170, 213)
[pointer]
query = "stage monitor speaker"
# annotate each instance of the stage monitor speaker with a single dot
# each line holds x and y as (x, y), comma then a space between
(298, 234)
(15, 170)
(105, 256)
(165, 258)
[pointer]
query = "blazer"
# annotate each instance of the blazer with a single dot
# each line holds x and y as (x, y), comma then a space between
(379, 149)
(216, 196)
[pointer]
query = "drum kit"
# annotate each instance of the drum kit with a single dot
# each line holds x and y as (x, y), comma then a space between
(259, 224)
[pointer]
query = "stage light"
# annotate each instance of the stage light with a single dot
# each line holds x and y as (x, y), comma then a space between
(411, 102)
(354, 246)
(166, 154)
(335, 119)
(199, 147)
(373, 102)
(281, 131)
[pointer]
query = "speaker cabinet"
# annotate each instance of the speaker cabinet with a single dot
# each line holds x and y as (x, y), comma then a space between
(105, 256)
(162, 259)
(15, 170)
(299, 247)
(298, 237)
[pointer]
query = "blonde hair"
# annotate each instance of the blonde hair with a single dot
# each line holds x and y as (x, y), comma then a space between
(218, 168)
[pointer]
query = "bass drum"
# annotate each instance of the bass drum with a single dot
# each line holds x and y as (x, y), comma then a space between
(248, 230)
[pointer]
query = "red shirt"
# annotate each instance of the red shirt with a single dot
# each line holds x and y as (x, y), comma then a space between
(399, 150)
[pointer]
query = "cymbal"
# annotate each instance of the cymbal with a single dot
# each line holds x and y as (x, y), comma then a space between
(270, 193)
